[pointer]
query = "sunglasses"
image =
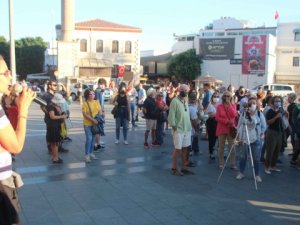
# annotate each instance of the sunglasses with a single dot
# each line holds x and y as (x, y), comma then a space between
(226, 96)
(6, 73)
(54, 85)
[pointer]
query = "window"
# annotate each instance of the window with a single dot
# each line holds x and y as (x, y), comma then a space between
(190, 38)
(296, 61)
(114, 71)
(83, 45)
(219, 34)
(297, 36)
(115, 47)
(128, 47)
(128, 68)
(99, 46)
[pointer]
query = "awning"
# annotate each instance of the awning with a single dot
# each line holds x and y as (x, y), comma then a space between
(297, 30)
(95, 63)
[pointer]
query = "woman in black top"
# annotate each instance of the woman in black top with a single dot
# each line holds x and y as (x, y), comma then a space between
(274, 136)
(56, 117)
(122, 114)
(291, 99)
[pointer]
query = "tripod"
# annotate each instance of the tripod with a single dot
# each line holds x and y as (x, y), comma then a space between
(243, 126)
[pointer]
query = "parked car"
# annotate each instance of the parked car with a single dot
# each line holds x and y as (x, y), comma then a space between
(108, 94)
(277, 89)
(74, 89)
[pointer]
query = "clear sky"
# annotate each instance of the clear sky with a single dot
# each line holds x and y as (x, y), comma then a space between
(159, 19)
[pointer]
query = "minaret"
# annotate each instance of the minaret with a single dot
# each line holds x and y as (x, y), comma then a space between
(67, 20)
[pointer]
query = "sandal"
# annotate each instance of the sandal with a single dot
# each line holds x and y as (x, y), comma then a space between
(187, 172)
(176, 172)
(233, 167)
(212, 157)
(221, 167)
(58, 161)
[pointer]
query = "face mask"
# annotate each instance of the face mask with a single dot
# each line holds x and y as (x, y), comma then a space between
(277, 104)
(215, 100)
(253, 107)
(182, 94)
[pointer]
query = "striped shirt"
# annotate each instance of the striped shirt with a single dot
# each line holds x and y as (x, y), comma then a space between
(5, 157)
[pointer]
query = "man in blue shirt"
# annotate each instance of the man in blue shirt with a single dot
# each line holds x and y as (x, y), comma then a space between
(207, 95)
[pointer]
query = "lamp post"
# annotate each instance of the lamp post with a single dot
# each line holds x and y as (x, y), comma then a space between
(12, 43)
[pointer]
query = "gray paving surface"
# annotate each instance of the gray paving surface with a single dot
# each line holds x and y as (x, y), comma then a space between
(131, 185)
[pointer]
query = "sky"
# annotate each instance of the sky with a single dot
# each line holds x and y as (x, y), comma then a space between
(159, 19)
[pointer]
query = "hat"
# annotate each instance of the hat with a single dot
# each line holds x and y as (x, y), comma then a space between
(150, 91)
(58, 99)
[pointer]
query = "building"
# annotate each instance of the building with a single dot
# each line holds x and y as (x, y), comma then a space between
(288, 53)
(229, 48)
(94, 49)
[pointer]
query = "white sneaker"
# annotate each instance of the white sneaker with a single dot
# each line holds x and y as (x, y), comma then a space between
(267, 171)
(258, 179)
(117, 142)
(92, 156)
(126, 142)
(87, 159)
(240, 176)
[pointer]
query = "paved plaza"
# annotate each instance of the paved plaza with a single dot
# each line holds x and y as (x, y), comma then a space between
(131, 185)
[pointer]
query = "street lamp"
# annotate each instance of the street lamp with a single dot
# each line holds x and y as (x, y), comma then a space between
(12, 42)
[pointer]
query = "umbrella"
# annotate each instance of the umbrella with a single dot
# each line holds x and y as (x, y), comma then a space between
(207, 79)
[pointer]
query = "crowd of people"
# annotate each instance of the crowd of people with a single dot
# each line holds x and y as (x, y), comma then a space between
(245, 123)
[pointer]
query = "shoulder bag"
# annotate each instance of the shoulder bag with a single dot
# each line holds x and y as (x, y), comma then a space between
(94, 128)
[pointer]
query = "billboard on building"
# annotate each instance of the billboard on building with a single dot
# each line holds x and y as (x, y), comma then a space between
(254, 55)
(217, 48)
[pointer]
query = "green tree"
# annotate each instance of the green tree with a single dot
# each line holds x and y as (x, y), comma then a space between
(30, 55)
(4, 49)
(185, 66)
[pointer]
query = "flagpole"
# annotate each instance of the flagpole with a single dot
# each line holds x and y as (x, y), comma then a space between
(12, 43)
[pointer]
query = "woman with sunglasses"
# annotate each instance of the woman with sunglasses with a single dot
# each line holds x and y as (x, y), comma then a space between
(226, 120)
(211, 123)
(90, 109)
(11, 141)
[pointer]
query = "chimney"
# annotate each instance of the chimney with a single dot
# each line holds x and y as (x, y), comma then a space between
(67, 20)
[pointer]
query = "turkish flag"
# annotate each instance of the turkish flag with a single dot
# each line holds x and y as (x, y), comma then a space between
(276, 15)
(121, 70)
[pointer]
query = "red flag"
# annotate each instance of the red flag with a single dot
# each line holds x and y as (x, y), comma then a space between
(121, 70)
(276, 15)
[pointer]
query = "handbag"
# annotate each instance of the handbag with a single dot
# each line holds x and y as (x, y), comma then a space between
(114, 110)
(163, 116)
(232, 130)
(95, 129)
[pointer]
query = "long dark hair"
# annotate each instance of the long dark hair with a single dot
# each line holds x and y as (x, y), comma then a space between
(87, 93)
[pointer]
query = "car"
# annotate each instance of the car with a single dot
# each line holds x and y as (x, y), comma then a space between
(277, 89)
(74, 89)
(108, 94)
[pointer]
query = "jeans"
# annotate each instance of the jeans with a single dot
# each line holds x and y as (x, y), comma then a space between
(89, 140)
(159, 132)
(124, 122)
(256, 152)
(132, 111)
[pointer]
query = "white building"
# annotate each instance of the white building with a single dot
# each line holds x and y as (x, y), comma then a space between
(288, 53)
(93, 49)
(221, 45)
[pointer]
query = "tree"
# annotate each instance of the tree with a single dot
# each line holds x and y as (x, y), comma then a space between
(29, 54)
(185, 66)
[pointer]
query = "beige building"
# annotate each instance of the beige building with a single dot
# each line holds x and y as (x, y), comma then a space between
(94, 49)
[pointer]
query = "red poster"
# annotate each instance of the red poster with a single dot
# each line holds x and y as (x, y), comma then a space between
(254, 54)
(121, 70)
